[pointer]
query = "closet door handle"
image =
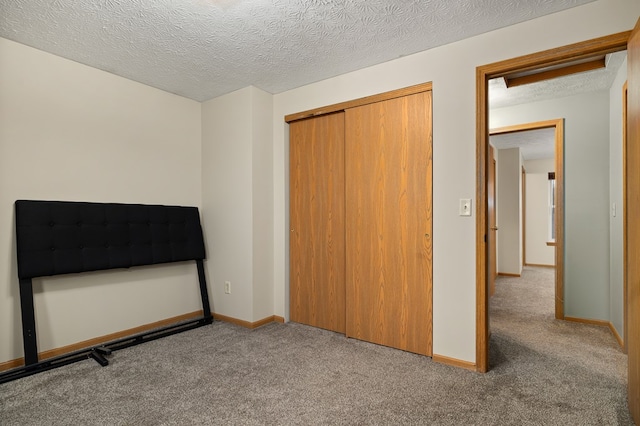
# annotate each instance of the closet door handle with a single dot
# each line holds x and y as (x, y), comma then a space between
(494, 228)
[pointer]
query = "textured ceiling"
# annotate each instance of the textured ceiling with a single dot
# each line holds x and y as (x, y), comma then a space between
(590, 81)
(204, 48)
(534, 144)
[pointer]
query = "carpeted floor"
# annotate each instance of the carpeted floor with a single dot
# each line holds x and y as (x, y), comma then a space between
(544, 372)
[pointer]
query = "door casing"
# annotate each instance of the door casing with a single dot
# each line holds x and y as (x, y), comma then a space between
(632, 225)
(558, 126)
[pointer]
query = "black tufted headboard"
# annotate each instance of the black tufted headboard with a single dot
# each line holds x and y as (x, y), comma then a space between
(64, 237)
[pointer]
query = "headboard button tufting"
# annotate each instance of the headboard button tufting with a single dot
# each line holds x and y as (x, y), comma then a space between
(132, 235)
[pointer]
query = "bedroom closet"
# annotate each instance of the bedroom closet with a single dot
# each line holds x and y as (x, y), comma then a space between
(361, 218)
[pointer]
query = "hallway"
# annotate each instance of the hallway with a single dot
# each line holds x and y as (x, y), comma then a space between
(580, 369)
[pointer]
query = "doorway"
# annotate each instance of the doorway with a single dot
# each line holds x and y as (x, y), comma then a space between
(558, 137)
(549, 58)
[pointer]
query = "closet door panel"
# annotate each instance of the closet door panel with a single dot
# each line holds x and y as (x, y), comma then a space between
(317, 233)
(388, 159)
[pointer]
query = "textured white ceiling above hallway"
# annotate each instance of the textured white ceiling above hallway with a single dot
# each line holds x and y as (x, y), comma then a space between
(204, 48)
(534, 144)
(589, 81)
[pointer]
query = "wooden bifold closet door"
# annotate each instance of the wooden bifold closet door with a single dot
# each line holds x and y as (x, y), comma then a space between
(361, 221)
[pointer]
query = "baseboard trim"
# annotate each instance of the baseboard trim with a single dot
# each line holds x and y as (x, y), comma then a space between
(13, 363)
(616, 335)
(248, 324)
(601, 323)
(507, 274)
(454, 362)
(19, 362)
(540, 265)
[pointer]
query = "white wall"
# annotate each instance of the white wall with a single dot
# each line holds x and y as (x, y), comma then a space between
(451, 68)
(543, 166)
(509, 177)
(537, 221)
(227, 201)
(238, 202)
(262, 110)
(537, 212)
(615, 197)
(71, 132)
(586, 187)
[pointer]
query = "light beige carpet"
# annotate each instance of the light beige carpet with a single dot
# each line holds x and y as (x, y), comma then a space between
(544, 372)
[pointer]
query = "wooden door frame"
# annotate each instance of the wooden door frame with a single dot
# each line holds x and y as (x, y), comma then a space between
(632, 202)
(625, 216)
(560, 55)
(494, 255)
(558, 126)
(523, 206)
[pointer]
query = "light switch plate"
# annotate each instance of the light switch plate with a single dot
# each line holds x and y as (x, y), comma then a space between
(465, 206)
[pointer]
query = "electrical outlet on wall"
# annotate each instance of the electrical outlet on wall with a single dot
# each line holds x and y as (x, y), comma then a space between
(227, 287)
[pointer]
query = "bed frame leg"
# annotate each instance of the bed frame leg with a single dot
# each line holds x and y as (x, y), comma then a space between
(28, 322)
(98, 354)
(204, 294)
